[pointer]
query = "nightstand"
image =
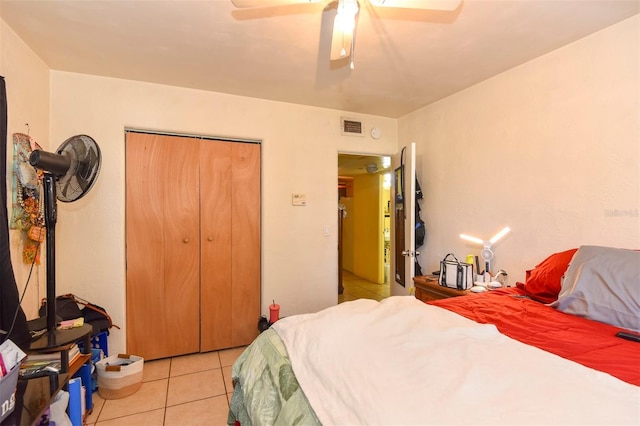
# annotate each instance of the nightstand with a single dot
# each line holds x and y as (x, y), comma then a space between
(427, 288)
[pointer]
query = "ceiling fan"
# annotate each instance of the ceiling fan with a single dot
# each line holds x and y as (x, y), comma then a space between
(342, 40)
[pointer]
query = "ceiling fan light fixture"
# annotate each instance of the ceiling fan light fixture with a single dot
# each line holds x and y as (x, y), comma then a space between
(343, 28)
(345, 21)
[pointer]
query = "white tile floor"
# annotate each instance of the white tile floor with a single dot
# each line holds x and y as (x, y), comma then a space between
(194, 389)
(356, 287)
(186, 390)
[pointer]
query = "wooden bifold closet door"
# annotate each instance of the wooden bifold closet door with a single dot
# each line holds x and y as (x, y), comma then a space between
(193, 244)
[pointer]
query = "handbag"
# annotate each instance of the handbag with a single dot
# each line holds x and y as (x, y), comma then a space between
(67, 309)
(455, 274)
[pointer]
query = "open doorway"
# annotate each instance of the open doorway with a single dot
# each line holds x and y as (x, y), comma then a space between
(364, 247)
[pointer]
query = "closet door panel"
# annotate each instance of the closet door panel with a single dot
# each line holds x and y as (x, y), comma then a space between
(180, 183)
(215, 208)
(245, 248)
(144, 250)
(162, 237)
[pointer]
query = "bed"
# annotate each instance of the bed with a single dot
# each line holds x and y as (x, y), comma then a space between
(543, 352)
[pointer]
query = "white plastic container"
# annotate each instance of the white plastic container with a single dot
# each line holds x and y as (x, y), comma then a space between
(119, 375)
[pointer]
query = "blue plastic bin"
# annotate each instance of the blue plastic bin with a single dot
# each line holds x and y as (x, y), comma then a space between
(99, 341)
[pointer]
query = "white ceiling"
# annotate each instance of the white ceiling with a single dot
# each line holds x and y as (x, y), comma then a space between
(403, 59)
(356, 164)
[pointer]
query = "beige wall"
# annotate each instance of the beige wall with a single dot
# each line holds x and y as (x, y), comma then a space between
(550, 148)
(368, 252)
(299, 155)
(27, 81)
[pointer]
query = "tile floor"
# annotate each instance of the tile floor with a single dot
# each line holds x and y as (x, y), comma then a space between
(359, 288)
(186, 390)
(195, 389)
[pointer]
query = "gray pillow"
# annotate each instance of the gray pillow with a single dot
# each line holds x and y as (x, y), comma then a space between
(603, 284)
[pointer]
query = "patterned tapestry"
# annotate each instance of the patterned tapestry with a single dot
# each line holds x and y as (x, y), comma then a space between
(27, 212)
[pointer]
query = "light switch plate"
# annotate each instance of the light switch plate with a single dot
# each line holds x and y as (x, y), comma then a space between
(298, 199)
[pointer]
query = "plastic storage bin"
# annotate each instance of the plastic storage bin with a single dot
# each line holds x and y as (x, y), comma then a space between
(99, 341)
(8, 392)
(96, 355)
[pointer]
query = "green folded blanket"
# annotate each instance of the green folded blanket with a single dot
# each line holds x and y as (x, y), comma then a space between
(266, 391)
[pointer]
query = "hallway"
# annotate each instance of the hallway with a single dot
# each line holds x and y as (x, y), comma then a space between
(359, 288)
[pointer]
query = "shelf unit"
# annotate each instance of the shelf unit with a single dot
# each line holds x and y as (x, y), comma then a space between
(34, 396)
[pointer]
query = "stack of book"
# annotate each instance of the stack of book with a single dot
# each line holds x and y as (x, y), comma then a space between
(40, 364)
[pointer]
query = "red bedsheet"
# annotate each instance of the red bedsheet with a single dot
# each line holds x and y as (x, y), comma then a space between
(587, 342)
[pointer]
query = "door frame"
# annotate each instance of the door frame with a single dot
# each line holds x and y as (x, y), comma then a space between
(380, 229)
(403, 245)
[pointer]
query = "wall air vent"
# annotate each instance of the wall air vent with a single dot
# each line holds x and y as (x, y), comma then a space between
(351, 127)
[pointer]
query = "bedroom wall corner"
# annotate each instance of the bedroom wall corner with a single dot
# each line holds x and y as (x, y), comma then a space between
(27, 80)
(550, 148)
(299, 155)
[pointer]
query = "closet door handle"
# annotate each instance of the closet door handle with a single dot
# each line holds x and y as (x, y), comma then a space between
(209, 238)
(186, 240)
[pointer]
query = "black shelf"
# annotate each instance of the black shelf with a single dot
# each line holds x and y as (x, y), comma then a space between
(60, 338)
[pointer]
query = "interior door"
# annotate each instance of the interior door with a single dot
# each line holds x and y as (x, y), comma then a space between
(216, 275)
(163, 239)
(245, 250)
(403, 220)
(342, 211)
(230, 241)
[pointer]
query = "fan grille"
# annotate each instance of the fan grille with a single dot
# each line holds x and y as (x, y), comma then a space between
(85, 157)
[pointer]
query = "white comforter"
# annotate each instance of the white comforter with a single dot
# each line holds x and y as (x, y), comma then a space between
(401, 362)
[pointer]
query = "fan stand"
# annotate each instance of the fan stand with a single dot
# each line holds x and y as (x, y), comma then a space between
(53, 337)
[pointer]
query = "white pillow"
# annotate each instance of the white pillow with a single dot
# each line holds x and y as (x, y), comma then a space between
(603, 284)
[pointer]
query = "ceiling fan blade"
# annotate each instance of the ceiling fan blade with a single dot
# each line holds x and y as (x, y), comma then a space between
(267, 3)
(418, 4)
